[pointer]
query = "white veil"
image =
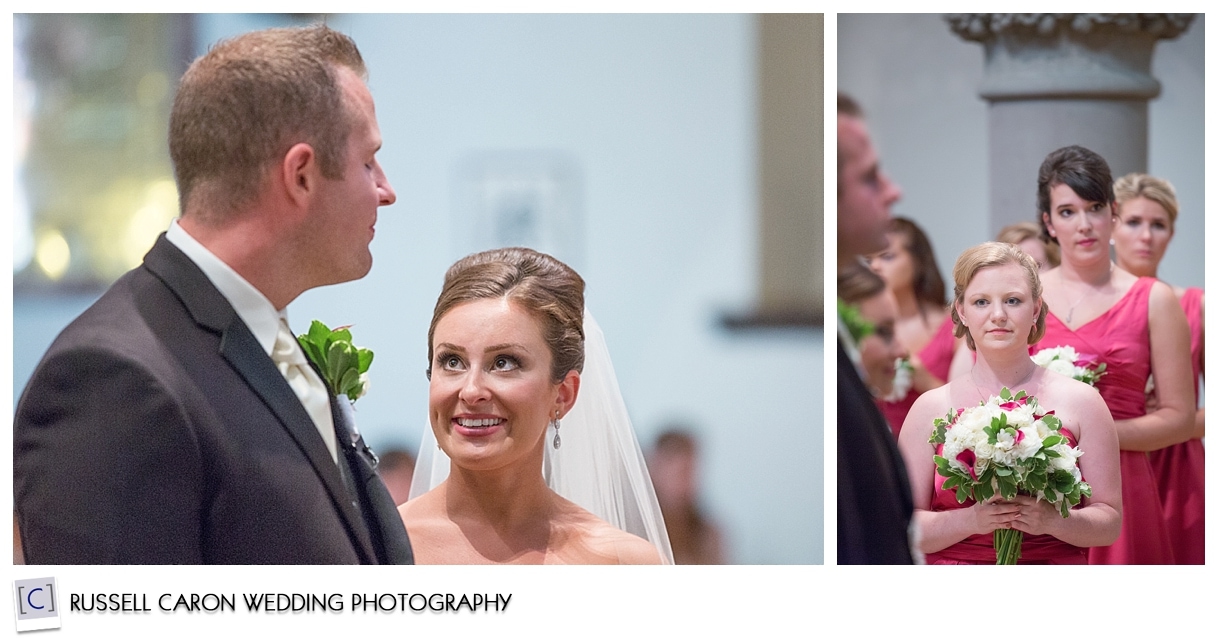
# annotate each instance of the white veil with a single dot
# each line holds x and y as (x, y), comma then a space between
(599, 466)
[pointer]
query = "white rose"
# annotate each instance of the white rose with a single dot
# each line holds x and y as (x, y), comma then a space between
(1030, 444)
(984, 451)
(1042, 358)
(1021, 416)
(1003, 457)
(1062, 366)
(1068, 459)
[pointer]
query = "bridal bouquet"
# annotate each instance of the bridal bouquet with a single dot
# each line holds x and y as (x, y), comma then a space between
(1007, 446)
(1067, 361)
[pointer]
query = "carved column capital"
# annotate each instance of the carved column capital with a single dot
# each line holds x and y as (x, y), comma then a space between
(1030, 56)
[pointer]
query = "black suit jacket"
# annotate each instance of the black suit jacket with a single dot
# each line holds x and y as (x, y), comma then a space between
(156, 430)
(874, 505)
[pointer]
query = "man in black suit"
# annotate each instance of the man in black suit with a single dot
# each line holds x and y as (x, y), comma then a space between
(176, 421)
(874, 507)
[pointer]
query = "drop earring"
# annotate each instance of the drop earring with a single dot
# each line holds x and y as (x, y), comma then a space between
(556, 423)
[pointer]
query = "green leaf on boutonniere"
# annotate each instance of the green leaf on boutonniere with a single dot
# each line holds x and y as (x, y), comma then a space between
(343, 366)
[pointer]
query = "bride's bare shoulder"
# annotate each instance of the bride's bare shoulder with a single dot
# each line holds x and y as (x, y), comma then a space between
(604, 543)
(423, 510)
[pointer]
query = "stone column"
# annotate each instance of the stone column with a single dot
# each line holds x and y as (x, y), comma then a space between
(1055, 79)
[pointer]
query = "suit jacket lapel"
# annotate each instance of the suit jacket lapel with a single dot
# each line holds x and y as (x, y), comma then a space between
(384, 522)
(237, 345)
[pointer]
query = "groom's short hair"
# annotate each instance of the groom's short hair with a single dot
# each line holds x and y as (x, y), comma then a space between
(243, 104)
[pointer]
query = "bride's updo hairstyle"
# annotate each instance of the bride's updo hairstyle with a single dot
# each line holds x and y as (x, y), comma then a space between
(1081, 169)
(983, 256)
(540, 284)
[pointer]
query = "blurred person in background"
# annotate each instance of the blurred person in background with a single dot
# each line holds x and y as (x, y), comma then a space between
(396, 467)
(694, 537)
(1026, 235)
(923, 326)
(874, 329)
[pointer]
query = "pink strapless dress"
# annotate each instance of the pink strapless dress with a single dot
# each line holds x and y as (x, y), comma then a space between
(936, 357)
(979, 549)
(1121, 338)
(1180, 469)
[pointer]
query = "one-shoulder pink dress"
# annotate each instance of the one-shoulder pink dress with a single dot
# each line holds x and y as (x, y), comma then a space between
(979, 549)
(936, 358)
(1121, 339)
(1180, 469)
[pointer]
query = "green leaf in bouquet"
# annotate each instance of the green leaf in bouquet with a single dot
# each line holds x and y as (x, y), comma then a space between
(984, 490)
(1021, 394)
(1005, 394)
(1050, 494)
(992, 430)
(1003, 472)
(1052, 422)
(1007, 487)
(938, 435)
(961, 494)
(942, 464)
(1036, 482)
(365, 359)
(1053, 440)
(1063, 481)
(1049, 452)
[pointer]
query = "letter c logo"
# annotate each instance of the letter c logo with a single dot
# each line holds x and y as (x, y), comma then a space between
(29, 599)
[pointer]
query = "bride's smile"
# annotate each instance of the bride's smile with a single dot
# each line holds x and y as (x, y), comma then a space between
(492, 396)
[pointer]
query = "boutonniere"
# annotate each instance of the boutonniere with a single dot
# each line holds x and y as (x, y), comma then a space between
(850, 316)
(343, 365)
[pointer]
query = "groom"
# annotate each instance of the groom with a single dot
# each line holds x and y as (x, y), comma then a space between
(874, 506)
(176, 420)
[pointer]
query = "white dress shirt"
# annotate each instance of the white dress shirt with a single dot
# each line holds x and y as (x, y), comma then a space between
(251, 305)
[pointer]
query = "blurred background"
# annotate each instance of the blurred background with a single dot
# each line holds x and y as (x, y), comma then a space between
(673, 160)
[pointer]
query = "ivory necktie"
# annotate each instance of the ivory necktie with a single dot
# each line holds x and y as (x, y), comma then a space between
(290, 359)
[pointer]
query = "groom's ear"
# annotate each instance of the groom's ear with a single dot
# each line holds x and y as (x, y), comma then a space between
(568, 390)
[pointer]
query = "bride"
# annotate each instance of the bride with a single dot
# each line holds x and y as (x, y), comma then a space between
(534, 478)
